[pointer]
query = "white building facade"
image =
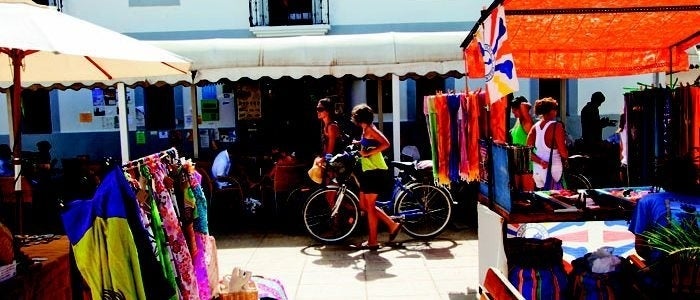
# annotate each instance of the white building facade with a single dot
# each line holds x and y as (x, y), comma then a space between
(169, 22)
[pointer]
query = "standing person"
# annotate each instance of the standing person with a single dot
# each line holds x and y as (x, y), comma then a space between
(374, 178)
(622, 133)
(329, 130)
(520, 108)
(591, 123)
(549, 139)
(330, 133)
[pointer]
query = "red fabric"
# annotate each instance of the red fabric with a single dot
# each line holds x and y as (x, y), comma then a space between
(443, 138)
(498, 120)
(473, 136)
(592, 43)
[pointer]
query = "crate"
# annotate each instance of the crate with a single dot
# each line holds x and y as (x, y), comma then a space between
(8, 271)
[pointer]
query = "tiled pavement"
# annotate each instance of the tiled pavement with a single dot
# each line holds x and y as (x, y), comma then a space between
(445, 268)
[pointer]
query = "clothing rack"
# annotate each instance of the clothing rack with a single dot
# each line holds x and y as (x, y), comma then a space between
(172, 152)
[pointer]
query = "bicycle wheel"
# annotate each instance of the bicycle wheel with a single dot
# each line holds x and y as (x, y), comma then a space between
(576, 181)
(319, 221)
(425, 209)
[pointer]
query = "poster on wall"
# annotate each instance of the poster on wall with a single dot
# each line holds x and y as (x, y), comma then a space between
(249, 102)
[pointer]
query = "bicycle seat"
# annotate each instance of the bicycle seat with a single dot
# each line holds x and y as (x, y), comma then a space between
(403, 166)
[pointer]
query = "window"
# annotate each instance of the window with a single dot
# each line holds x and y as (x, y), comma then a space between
(290, 12)
(159, 107)
(372, 99)
(36, 111)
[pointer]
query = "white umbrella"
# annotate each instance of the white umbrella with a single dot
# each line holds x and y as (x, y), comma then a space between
(39, 45)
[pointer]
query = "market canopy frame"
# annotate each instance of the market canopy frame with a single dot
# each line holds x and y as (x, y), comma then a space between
(593, 38)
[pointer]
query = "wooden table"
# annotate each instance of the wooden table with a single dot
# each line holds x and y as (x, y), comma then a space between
(50, 279)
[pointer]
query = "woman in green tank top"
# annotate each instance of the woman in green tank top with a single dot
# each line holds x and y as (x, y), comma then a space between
(523, 120)
(520, 108)
(375, 177)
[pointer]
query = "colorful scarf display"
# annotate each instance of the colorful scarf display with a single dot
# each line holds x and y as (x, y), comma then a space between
(453, 128)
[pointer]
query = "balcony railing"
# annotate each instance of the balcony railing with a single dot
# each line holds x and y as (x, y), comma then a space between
(288, 12)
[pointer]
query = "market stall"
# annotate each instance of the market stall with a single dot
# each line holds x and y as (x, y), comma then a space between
(561, 39)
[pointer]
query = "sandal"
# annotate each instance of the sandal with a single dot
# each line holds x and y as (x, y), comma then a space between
(365, 246)
(395, 232)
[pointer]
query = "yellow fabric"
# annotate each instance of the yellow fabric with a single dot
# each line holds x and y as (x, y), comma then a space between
(373, 162)
(114, 264)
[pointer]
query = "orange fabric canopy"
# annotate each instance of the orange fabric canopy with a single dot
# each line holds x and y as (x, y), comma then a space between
(594, 38)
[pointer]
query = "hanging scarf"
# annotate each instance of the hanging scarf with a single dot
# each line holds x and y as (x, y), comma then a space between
(443, 138)
(453, 106)
(430, 116)
(463, 124)
(473, 134)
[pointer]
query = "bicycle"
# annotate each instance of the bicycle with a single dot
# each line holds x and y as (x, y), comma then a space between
(331, 213)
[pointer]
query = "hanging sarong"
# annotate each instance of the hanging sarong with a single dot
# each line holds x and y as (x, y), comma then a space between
(431, 117)
(453, 106)
(443, 138)
(463, 123)
(473, 135)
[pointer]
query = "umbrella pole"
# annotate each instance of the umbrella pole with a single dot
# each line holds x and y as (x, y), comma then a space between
(17, 55)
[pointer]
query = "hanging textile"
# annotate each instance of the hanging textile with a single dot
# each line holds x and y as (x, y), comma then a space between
(473, 100)
(463, 136)
(443, 138)
(453, 101)
(431, 121)
(192, 182)
(104, 247)
(150, 219)
(187, 282)
(453, 128)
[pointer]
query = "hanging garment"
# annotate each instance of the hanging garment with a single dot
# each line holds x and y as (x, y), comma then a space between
(104, 247)
(473, 135)
(453, 107)
(187, 282)
(162, 249)
(443, 138)
(197, 250)
(463, 119)
(431, 117)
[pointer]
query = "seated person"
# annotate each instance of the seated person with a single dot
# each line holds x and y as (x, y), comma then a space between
(281, 157)
(679, 179)
(221, 167)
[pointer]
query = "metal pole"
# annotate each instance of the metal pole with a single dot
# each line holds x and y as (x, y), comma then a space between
(195, 119)
(380, 108)
(123, 126)
(396, 115)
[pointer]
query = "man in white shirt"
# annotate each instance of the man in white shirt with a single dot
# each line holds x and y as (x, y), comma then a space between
(222, 165)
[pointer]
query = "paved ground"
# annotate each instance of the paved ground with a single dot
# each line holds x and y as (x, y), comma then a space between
(445, 268)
